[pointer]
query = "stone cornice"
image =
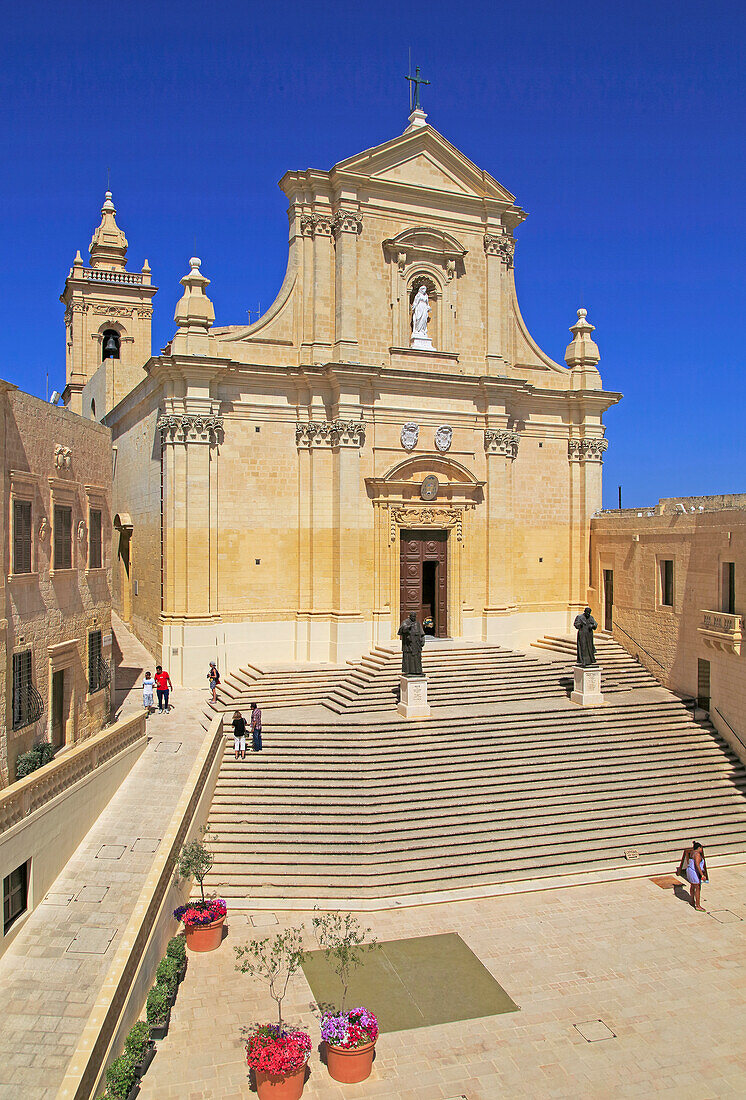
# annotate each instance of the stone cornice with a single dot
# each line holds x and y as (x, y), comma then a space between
(330, 433)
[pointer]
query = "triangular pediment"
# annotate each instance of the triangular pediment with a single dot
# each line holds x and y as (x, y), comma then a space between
(424, 158)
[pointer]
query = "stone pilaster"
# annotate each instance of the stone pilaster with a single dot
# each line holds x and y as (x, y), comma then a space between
(190, 530)
(347, 225)
(498, 250)
(501, 449)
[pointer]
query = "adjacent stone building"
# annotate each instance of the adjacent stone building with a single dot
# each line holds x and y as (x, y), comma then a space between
(289, 489)
(668, 581)
(55, 634)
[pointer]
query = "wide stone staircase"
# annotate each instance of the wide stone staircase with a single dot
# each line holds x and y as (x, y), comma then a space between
(370, 809)
(477, 674)
(617, 665)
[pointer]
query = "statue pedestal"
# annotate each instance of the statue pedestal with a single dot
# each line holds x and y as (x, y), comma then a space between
(587, 686)
(422, 343)
(413, 697)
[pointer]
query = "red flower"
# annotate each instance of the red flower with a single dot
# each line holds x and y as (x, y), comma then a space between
(277, 1052)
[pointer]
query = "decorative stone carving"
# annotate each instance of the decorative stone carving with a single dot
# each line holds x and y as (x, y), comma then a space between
(410, 433)
(63, 458)
(586, 449)
(190, 429)
(103, 310)
(502, 245)
(332, 433)
(43, 528)
(443, 437)
(347, 221)
(502, 441)
(316, 225)
(427, 517)
(81, 531)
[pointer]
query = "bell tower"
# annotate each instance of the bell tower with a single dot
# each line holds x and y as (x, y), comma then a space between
(108, 313)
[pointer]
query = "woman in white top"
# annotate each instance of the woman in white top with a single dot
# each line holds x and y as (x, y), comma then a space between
(148, 686)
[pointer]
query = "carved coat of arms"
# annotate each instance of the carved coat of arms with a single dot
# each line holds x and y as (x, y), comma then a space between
(410, 433)
(443, 437)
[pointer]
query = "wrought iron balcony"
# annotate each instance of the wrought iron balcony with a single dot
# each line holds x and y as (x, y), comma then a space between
(721, 630)
(28, 705)
(99, 675)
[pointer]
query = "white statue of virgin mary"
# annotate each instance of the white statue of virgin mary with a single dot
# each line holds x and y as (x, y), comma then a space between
(420, 317)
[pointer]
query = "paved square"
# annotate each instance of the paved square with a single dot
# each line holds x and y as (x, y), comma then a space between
(92, 893)
(53, 898)
(168, 746)
(595, 1031)
(414, 983)
(92, 941)
(111, 851)
(147, 844)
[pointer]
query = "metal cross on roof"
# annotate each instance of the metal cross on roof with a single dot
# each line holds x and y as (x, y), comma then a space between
(415, 80)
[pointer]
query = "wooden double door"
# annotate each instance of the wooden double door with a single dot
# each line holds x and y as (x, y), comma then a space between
(424, 578)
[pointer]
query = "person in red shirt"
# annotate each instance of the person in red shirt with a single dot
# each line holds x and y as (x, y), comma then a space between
(162, 685)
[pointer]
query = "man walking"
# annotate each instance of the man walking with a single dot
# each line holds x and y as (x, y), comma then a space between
(256, 728)
(163, 686)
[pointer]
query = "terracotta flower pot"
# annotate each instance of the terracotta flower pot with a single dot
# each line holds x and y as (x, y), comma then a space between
(270, 1087)
(350, 1066)
(204, 937)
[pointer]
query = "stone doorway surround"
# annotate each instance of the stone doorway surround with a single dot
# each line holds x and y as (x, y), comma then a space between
(398, 507)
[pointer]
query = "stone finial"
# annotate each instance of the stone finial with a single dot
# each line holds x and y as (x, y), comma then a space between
(194, 313)
(582, 354)
(108, 247)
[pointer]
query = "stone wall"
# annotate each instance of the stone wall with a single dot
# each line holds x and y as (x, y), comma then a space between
(671, 640)
(50, 455)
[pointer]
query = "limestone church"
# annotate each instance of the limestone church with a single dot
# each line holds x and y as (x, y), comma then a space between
(288, 490)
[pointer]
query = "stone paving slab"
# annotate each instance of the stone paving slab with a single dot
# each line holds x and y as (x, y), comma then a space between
(618, 983)
(52, 972)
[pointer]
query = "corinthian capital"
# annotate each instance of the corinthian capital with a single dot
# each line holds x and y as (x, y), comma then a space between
(347, 221)
(502, 441)
(502, 245)
(587, 450)
(330, 433)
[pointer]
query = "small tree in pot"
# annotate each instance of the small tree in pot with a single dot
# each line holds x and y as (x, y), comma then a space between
(277, 1054)
(350, 1035)
(203, 919)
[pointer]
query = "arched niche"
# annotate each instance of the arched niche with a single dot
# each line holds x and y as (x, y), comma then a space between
(436, 258)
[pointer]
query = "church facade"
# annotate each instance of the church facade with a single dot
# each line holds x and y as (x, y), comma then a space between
(386, 438)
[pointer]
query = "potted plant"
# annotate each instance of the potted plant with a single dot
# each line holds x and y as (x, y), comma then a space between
(277, 1054)
(349, 1036)
(176, 949)
(121, 1079)
(167, 976)
(140, 1047)
(158, 1012)
(203, 919)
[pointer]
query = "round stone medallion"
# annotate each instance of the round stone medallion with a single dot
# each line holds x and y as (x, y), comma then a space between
(429, 487)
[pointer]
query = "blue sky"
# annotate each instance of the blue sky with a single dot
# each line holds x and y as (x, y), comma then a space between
(618, 126)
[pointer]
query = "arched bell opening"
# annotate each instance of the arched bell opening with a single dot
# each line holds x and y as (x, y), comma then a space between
(110, 344)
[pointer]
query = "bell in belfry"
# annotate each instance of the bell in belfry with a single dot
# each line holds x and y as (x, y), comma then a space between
(111, 345)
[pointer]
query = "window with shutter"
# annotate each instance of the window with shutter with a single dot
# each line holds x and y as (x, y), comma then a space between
(21, 689)
(63, 530)
(21, 536)
(95, 557)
